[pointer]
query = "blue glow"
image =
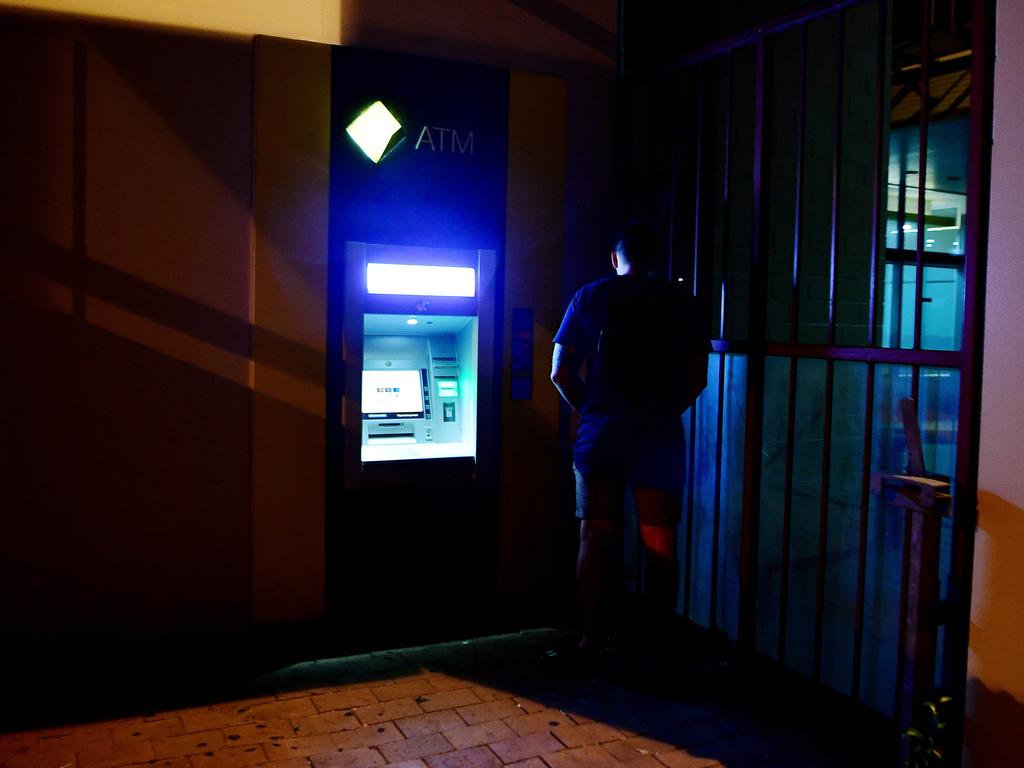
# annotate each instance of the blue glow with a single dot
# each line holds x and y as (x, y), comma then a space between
(420, 280)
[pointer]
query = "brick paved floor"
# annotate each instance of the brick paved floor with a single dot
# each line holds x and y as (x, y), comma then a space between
(521, 700)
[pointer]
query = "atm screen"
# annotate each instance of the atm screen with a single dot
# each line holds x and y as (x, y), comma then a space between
(393, 393)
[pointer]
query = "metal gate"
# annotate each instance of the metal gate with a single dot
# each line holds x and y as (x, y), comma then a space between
(828, 192)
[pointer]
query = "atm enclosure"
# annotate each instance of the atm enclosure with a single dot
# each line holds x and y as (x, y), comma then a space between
(418, 354)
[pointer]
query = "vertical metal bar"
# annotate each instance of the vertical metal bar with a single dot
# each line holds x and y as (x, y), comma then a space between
(922, 171)
(753, 437)
(794, 321)
(969, 415)
(879, 199)
(726, 199)
(723, 294)
(901, 205)
(837, 145)
(717, 513)
(901, 643)
(896, 310)
(696, 275)
(826, 482)
(787, 508)
(833, 288)
(691, 474)
(794, 309)
(922, 605)
(671, 274)
(862, 542)
(878, 225)
(673, 175)
(698, 178)
(915, 394)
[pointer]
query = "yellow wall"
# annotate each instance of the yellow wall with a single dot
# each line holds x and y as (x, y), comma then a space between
(318, 20)
(292, 106)
(162, 292)
(533, 278)
(475, 31)
(125, 266)
(995, 687)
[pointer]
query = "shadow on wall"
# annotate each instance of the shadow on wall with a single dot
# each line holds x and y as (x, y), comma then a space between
(125, 269)
(995, 712)
(151, 62)
(995, 728)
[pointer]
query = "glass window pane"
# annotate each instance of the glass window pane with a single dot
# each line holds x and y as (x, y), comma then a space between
(718, 90)
(731, 513)
(803, 541)
(773, 488)
(938, 412)
(819, 133)
(940, 232)
(682, 550)
(782, 143)
(844, 508)
(942, 311)
(857, 175)
(741, 216)
(706, 412)
(885, 544)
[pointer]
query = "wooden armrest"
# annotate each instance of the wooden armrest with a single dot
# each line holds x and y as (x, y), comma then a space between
(912, 491)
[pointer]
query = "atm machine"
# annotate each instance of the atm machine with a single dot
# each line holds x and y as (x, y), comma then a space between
(417, 232)
(418, 356)
(416, 524)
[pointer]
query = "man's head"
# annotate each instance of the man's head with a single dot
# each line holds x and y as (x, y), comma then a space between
(636, 250)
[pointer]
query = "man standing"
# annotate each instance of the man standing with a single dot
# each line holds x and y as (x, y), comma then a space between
(646, 362)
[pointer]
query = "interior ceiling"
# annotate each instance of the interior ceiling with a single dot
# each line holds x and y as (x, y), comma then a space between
(947, 154)
(949, 60)
(392, 325)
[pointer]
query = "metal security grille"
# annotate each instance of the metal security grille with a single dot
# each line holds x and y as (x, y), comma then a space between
(829, 177)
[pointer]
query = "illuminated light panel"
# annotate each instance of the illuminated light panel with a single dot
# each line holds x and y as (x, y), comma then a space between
(420, 280)
(374, 130)
(447, 387)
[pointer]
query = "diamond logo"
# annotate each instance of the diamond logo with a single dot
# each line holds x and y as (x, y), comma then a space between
(376, 131)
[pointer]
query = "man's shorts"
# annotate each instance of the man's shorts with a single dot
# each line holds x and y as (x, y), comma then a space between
(653, 472)
(612, 457)
(603, 498)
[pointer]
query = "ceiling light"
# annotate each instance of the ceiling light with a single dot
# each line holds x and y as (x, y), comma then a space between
(420, 280)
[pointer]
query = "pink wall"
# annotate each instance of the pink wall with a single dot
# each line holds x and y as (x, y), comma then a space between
(995, 686)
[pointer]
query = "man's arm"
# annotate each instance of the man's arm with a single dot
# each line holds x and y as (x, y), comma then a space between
(565, 375)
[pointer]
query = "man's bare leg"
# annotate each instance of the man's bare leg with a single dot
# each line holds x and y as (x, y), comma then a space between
(661, 582)
(592, 567)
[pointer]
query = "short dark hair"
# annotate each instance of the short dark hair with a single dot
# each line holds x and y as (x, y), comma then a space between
(637, 244)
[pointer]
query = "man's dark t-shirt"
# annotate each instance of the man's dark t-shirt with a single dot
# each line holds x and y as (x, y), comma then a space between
(639, 336)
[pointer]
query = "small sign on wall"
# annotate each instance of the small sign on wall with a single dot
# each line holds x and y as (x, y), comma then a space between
(521, 385)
